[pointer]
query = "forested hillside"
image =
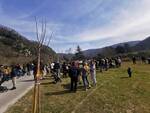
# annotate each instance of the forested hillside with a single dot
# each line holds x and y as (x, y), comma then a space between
(15, 48)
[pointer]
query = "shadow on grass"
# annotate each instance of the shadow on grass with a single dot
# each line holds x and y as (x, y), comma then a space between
(80, 88)
(27, 80)
(124, 77)
(47, 83)
(58, 93)
(46, 77)
(67, 86)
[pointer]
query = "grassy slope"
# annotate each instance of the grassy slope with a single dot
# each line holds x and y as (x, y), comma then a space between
(115, 93)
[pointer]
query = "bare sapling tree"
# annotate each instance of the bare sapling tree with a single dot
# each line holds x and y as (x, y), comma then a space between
(42, 40)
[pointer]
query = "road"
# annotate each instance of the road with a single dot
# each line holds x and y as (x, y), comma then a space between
(7, 99)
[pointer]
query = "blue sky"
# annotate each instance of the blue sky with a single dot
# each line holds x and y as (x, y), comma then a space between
(88, 23)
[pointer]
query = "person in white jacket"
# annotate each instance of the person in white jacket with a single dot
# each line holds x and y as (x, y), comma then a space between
(93, 72)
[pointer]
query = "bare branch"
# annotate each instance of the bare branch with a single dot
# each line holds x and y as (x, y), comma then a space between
(37, 32)
(50, 38)
(42, 40)
(43, 34)
(42, 30)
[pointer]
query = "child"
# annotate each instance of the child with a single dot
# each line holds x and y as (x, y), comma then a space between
(129, 71)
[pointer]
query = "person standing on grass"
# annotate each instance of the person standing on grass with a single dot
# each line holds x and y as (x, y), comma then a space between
(134, 59)
(64, 69)
(116, 62)
(119, 61)
(80, 70)
(143, 59)
(129, 71)
(57, 68)
(85, 72)
(93, 72)
(101, 64)
(106, 64)
(73, 74)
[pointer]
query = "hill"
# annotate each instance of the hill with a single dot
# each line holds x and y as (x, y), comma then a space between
(143, 45)
(130, 43)
(15, 48)
(108, 50)
(131, 47)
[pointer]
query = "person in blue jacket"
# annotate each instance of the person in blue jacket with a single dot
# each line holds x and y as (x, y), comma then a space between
(73, 74)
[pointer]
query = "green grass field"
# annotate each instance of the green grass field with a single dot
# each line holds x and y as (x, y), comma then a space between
(115, 93)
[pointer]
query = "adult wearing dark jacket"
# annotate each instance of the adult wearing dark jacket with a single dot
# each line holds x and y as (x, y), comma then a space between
(64, 69)
(14, 73)
(73, 73)
(57, 68)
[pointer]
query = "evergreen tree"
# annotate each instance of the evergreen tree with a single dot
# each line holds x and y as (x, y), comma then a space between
(79, 54)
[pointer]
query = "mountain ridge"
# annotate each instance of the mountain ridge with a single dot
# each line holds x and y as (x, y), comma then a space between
(93, 52)
(135, 46)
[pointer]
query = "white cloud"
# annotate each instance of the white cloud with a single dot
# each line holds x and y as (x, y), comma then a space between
(132, 23)
(129, 23)
(33, 11)
(27, 27)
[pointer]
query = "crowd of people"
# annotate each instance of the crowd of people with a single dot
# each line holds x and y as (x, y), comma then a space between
(79, 71)
(17, 71)
(142, 58)
(85, 71)
(10, 73)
